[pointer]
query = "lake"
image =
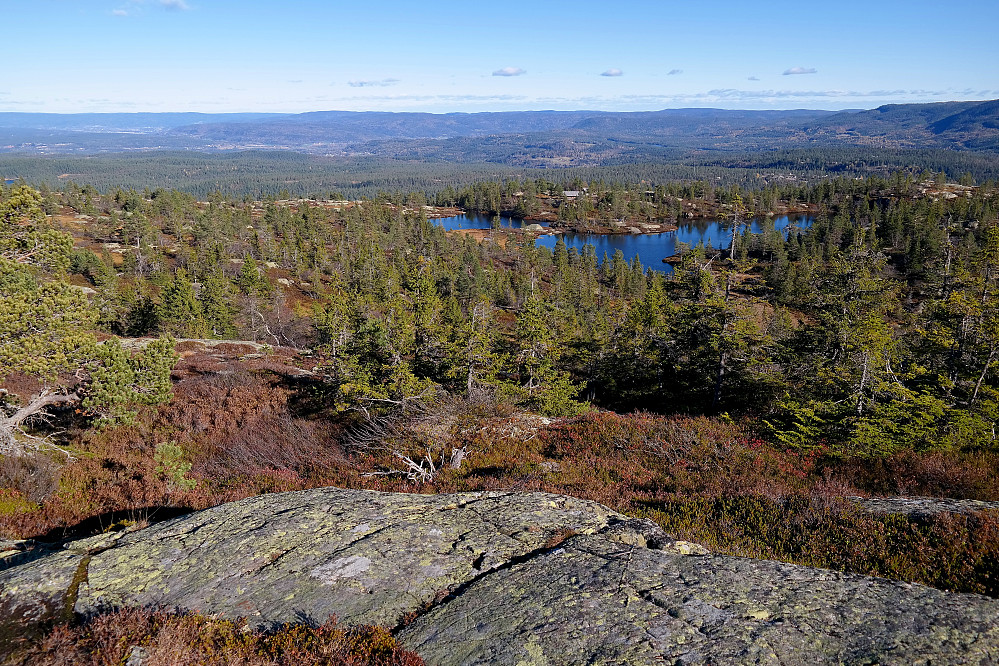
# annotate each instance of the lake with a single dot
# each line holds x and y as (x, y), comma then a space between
(650, 248)
(482, 222)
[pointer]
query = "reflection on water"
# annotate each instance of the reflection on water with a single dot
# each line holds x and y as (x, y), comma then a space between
(650, 248)
(483, 222)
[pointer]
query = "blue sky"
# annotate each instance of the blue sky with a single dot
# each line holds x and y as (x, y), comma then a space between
(261, 55)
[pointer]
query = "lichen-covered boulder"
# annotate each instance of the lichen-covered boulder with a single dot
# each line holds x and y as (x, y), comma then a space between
(594, 601)
(366, 557)
(499, 578)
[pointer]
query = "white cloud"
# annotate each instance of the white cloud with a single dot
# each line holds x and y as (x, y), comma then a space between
(800, 70)
(509, 71)
(613, 71)
(119, 12)
(674, 72)
(175, 5)
(436, 98)
(382, 83)
(783, 97)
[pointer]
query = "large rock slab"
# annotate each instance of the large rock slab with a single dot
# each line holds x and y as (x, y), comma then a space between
(363, 556)
(922, 507)
(597, 602)
(501, 578)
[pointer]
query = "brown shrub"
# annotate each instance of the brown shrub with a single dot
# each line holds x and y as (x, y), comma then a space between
(276, 442)
(211, 406)
(957, 552)
(672, 455)
(194, 640)
(34, 475)
(21, 385)
(235, 349)
(934, 474)
(186, 346)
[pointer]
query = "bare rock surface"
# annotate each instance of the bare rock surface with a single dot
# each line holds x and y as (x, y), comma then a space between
(592, 601)
(922, 506)
(500, 578)
(366, 557)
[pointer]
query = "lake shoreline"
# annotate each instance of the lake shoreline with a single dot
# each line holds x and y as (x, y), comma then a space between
(657, 250)
(695, 214)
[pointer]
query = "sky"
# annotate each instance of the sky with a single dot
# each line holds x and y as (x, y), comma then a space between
(71, 56)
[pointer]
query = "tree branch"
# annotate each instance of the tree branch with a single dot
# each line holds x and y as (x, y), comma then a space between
(36, 405)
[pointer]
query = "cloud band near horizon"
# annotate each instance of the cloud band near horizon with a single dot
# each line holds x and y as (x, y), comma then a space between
(510, 71)
(800, 70)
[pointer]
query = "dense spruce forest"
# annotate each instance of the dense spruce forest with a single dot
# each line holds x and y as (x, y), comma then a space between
(737, 401)
(339, 154)
(265, 173)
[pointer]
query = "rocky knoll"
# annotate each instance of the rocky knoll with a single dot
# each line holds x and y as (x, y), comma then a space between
(500, 578)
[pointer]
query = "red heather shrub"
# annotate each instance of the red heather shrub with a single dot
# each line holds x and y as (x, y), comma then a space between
(957, 552)
(679, 455)
(933, 474)
(194, 640)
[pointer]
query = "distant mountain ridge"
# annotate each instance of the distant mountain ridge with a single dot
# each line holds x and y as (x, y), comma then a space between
(110, 122)
(354, 126)
(963, 125)
(522, 138)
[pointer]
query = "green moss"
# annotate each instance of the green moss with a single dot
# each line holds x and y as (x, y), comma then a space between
(12, 504)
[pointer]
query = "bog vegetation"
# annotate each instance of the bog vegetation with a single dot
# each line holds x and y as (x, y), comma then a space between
(161, 354)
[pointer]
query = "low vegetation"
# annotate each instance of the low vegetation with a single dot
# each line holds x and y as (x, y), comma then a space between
(157, 638)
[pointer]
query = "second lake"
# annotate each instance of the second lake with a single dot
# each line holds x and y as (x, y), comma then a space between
(651, 249)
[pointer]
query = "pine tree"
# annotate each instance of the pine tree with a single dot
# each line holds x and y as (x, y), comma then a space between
(217, 309)
(474, 363)
(46, 332)
(249, 281)
(547, 387)
(179, 311)
(430, 332)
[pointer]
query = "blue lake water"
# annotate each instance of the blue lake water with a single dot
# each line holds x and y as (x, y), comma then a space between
(482, 222)
(650, 248)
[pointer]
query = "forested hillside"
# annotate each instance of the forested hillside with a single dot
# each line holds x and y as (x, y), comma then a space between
(584, 138)
(257, 174)
(328, 342)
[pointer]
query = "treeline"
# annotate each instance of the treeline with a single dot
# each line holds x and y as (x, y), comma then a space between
(245, 174)
(874, 331)
(258, 174)
(862, 161)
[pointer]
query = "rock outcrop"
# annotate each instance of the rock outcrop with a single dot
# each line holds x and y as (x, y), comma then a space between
(500, 578)
(921, 507)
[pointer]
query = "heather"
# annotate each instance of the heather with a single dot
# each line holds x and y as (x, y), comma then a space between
(158, 638)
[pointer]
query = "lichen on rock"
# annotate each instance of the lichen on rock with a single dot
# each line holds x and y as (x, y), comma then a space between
(500, 578)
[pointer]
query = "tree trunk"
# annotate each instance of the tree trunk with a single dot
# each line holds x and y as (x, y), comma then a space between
(981, 378)
(722, 356)
(735, 232)
(719, 378)
(9, 425)
(863, 384)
